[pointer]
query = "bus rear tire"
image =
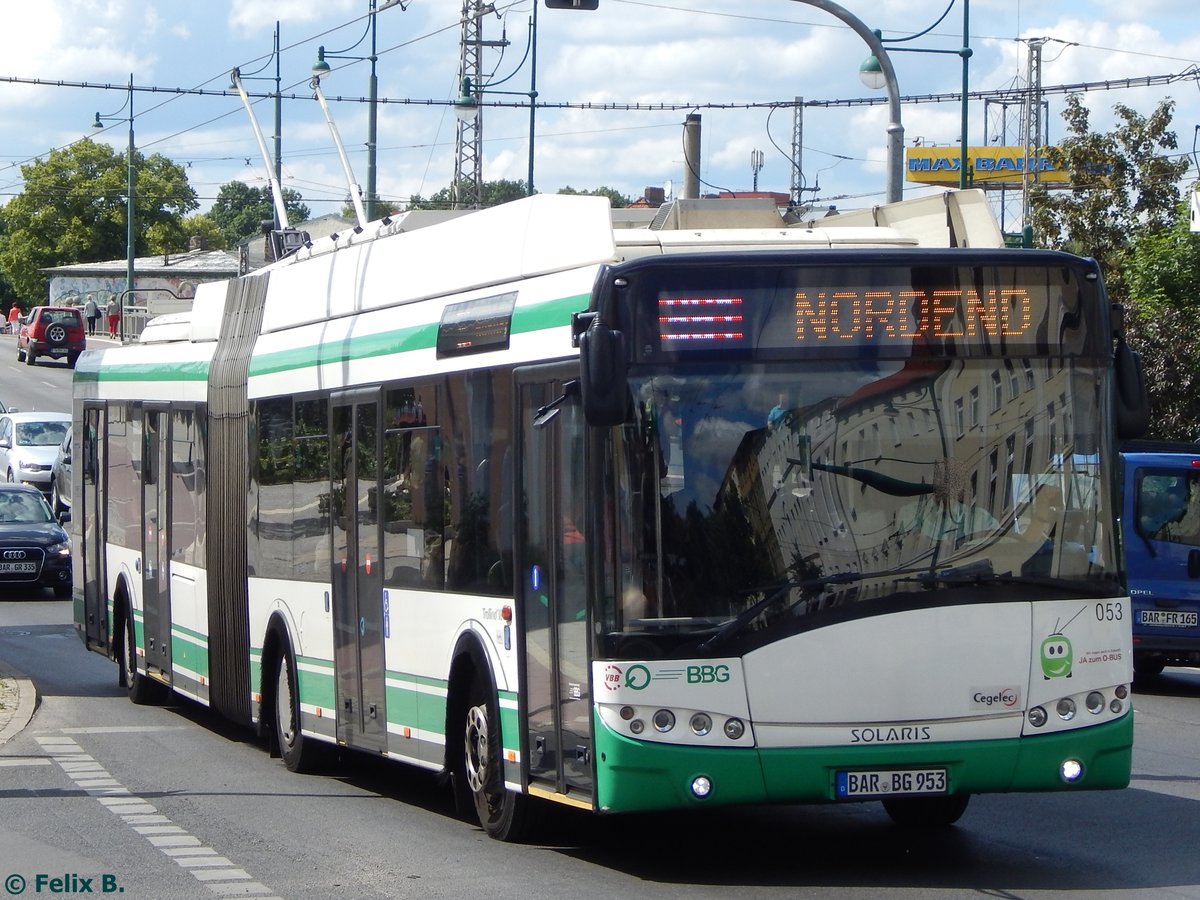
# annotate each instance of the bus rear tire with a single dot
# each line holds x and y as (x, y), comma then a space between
(141, 689)
(300, 754)
(927, 812)
(502, 813)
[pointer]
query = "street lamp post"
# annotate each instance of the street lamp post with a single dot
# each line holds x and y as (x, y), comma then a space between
(871, 66)
(895, 130)
(130, 245)
(321, 67)
(894, 178)
(466, 108)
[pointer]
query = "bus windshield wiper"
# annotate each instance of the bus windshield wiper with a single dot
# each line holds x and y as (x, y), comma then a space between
(783, 591)
(981, 573)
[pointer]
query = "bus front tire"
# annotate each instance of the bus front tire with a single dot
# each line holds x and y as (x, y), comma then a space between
(501, 812)
(926, 812)
(300, 754)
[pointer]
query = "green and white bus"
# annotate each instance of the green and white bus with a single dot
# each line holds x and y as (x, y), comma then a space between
(711, 510)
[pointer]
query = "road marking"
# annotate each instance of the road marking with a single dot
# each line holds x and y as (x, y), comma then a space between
(11, 762)
(215, 872)
(121, 729)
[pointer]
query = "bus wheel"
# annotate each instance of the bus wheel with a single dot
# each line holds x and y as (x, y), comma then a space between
(142, 690)
(927, 812)
(300, 754)
(501, 812)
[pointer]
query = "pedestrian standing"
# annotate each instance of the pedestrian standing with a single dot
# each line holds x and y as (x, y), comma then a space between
(92, 310)
(14, 316)
(114, 316)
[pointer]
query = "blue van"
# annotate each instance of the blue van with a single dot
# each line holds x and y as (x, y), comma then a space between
(1160, 525)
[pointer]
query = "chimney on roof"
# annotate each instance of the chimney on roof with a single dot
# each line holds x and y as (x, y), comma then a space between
(197, 242)
(655, 196)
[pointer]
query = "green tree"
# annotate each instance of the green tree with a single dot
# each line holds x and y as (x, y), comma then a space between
(616, 199)
(1122, 184)
(73, 210)
(1163, 276)
(202, 225)
(240, 210)
(382, 208)
(494, 193)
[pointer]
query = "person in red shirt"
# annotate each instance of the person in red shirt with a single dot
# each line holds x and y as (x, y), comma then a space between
(14, 315)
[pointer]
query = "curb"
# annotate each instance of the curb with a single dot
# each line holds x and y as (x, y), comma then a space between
(19, 698)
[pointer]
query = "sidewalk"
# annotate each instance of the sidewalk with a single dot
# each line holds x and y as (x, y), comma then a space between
(18, 699)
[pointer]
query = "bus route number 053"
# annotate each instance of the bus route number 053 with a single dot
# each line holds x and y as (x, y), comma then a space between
(891, 782)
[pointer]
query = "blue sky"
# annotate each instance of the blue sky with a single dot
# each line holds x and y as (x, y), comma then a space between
(696, 56)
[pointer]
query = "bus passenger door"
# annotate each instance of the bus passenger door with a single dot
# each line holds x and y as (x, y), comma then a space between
(358, 621)
(90, 511)
(552, 594)
(156, 584)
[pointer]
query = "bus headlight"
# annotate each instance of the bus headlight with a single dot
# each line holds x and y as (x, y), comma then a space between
(701, 786)
(1037, 717)
(664, 720)
(734, 729)
(1070, 771)
(701, 724)
(1095, 703)
(1066, 709)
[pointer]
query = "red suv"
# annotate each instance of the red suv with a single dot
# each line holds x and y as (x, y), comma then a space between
(54, 331)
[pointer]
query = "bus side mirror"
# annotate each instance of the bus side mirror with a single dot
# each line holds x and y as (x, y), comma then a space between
(603, 379)
(1131, 398)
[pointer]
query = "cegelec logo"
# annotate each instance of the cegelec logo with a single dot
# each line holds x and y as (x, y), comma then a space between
(989, 697)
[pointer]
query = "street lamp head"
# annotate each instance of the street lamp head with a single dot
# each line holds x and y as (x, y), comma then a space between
(97, 123)
(466, 109)
(320, 67)
(871, 73)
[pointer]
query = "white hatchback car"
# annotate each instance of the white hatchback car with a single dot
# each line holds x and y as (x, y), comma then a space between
(29, 445)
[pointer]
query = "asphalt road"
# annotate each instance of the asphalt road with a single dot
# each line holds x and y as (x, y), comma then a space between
(44, 386)
(173, 802)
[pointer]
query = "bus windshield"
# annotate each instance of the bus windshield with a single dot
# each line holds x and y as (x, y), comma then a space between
(757, 501)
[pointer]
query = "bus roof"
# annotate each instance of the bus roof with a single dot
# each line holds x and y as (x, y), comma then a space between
(420, 254)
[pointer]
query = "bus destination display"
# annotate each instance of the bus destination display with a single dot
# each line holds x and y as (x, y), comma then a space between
(879, 319)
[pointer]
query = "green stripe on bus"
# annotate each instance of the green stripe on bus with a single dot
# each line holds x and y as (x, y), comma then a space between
(552, 314)
(189, 634)
(161, 371)
(190, 653)
(403, 340)
(537, 317)
(317, 688)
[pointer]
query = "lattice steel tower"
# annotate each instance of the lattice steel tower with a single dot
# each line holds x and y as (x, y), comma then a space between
(466, 190)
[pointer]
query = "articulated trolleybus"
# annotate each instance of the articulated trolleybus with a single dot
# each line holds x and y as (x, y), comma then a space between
(711, 510)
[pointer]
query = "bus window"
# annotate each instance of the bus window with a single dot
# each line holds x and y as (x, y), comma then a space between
(413, 508)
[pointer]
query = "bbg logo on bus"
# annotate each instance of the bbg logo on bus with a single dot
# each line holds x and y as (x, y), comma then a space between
(638, 676)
